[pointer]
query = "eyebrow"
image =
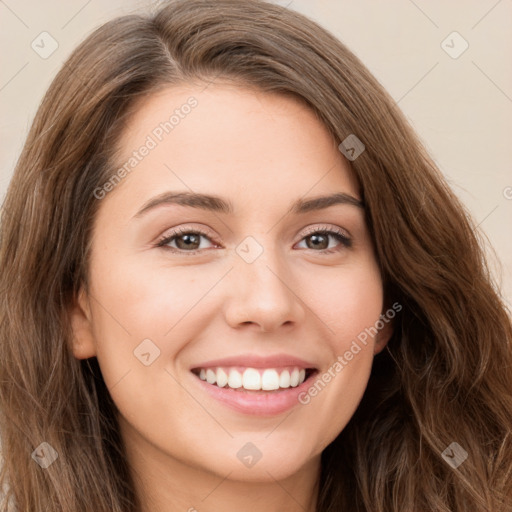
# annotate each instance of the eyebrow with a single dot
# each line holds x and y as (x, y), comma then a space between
(218, 204)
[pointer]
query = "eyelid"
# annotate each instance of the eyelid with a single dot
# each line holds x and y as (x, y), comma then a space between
(176, 232)
(326, 227)
(187, 229)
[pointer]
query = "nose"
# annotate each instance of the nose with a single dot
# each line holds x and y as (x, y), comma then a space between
(263, 293)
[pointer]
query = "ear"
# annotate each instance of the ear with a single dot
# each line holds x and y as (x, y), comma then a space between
(383, 336)
(82, 344)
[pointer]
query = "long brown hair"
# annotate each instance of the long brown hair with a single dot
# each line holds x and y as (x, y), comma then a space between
(446, 376)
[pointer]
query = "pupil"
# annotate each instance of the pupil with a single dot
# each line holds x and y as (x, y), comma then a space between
(315, 238)
(187, 240)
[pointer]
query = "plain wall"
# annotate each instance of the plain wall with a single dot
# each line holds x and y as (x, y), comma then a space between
(460, 105)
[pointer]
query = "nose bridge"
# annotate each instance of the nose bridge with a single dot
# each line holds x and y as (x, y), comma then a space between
(262, 289)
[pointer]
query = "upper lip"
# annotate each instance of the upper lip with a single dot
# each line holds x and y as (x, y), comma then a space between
(255, 361)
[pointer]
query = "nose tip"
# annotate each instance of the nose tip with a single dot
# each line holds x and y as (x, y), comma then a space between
(260, 296)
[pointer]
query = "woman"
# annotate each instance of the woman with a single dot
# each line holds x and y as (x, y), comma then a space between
(234, 279)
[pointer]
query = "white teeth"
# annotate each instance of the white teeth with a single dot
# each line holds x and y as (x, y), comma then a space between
(294, 378)
(269, 380)
(211, 376)
(235, 379)
(252, 379)
(284, 379)
(222, 378)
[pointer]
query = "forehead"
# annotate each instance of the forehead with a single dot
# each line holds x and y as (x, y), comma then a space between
(229, 140)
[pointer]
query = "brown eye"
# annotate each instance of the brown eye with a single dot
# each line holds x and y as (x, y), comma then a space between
(184, 240)
(319, 240)
(188, 241)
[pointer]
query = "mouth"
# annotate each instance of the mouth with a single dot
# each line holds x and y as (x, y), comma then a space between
(262, 380)
(255, 384)
(252, 391)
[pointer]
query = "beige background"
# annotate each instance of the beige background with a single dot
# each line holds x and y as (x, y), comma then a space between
(461, 107)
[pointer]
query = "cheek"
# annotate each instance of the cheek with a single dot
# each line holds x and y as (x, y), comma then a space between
(347, 300)
(349, 304)
(141, 323)
(143, 320)
(151, 304)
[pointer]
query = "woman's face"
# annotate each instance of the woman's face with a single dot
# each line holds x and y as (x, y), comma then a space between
(241, 290)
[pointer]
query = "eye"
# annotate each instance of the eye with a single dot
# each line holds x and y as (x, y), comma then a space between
(319, 239)
(189, 240)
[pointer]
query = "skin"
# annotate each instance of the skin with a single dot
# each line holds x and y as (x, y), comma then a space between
(262, 152)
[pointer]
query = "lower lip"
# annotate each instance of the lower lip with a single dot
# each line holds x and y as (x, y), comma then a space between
(256, 403)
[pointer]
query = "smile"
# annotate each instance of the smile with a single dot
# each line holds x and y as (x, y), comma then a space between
(254, 379)
(255, 384)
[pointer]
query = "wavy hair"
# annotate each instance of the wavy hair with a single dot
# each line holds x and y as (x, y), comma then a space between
(446, 376)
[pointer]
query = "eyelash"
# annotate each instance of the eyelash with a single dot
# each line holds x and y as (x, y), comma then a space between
(337, 234)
